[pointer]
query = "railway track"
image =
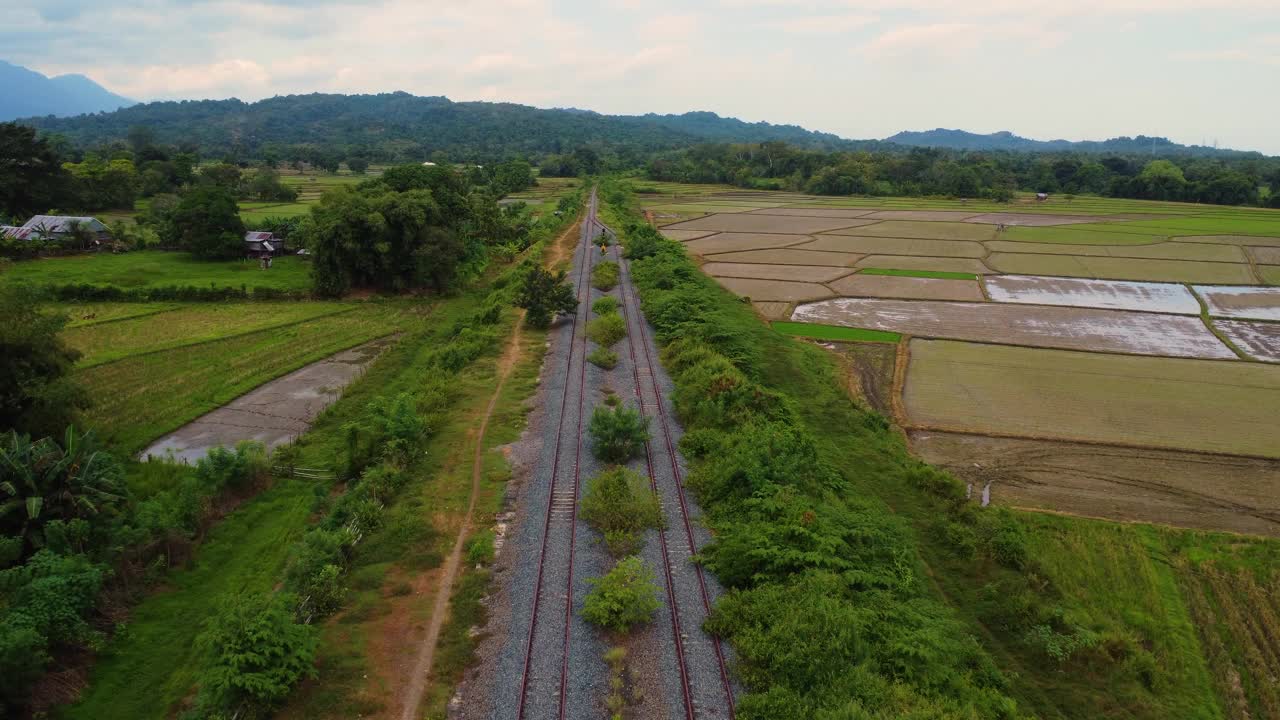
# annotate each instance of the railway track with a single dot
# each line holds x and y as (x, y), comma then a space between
(706, 697)
(562, 509)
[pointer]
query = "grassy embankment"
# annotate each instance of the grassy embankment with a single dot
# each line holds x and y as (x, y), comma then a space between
(1084, 618)
(149, 670)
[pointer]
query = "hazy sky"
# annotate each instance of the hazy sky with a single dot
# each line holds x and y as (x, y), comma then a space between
(1193, 70)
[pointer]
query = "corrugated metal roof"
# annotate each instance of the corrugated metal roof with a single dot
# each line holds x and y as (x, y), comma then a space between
(62, 223)
(14, 232)
(258, 236)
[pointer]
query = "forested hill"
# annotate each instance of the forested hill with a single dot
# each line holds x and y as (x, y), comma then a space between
(403, 126)
(962, 140)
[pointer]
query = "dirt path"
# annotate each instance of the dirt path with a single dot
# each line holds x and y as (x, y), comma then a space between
(411, 699)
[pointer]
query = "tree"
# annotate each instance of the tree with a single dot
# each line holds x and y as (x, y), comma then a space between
(31, 177)
(357, 165)
(544, 294)
(207, 223)
(224, 175)
(625, 597)
(618, 434)
(37, 393)
(254, 654)
(42, 482)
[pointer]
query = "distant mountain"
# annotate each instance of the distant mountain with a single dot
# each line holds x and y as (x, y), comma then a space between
(27, 93)
(407, 124)
(962, 140)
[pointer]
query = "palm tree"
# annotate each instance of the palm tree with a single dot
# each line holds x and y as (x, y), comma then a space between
(42, 481)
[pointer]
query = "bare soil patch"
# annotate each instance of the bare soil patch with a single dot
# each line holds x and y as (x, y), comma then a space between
(890, 286)
(1258, 340)
(1114, 268)
(1265, 255)
(790, 256)
(925, 230)
(1030, 219)
(1178, 404)
(1036, 326)
(683, 235)
(871, 365)
(770, 310)
(1162, 251)
(777, 290)
(1231, 240)
(729, 242)
(1089, 293)
(909, 262)
(896, 246)
(760, 271)
(927, 215)
(1251, 303)
(752, 223)
(814, 212)
(1193, 490)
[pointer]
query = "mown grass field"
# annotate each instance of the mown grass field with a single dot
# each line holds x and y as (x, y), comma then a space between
(159, 268)
(139, 398)
(163, 329)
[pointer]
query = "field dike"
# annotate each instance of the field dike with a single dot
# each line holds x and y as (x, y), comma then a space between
(1006, 610)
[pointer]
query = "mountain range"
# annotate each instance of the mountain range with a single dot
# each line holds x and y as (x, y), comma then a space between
(27, 93)
(401, 121)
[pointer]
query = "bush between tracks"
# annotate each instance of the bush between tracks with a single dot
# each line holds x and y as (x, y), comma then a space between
(603, 358)
(605, 305)
(623, 598)
(617, 434)
(604, 276)
(607, 330)
(620, 505)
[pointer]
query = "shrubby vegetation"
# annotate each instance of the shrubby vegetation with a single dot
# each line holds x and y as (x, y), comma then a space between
(618, 433)
(604, 276)
(607, 329)
(603, 358)
(605, 305)
(620, 505)
(623, 598)
(37, 393)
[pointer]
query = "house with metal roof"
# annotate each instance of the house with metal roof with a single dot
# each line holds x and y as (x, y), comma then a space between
(259, 245)
(58, 227)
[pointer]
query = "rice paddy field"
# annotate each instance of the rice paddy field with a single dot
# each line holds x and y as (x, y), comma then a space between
(151, 373)
(1094, 356)
(158, 268)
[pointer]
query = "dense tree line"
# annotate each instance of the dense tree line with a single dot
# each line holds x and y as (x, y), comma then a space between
(1229, 180)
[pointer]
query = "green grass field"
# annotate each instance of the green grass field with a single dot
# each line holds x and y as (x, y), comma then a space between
(85, 314)
(938, 274)
(138, 399)
(159, 268)
(832, 332)
(192, 324)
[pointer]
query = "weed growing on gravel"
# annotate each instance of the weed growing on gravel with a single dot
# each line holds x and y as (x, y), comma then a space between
(623, 598)
(607, 330)
(605, 305)
(603, 358)
(620, 505)
(604, 276)
(617, 435)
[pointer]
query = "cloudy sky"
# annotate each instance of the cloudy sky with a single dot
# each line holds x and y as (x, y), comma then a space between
(1193, 70)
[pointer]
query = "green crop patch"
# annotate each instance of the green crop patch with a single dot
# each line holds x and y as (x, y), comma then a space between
(159, 268)
(938, 274)
(834, 332)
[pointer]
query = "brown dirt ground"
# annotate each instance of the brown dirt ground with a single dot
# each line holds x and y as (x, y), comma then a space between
(770, 310)
(1031, 219)
(1259, 340)
(924, 230)
(1193, 490)
(889, 286)
(1113, 268)
(789, 256)
(729, 242)
(925, 215)
(909, 262)
(760, 271)
(682, 235)
(1066, 328)
(777, 290)
(896, 246)
(814, 212)
(751, 223)
(1163, 251)
(872, 366)
(1266, 255)
(1231, 240)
